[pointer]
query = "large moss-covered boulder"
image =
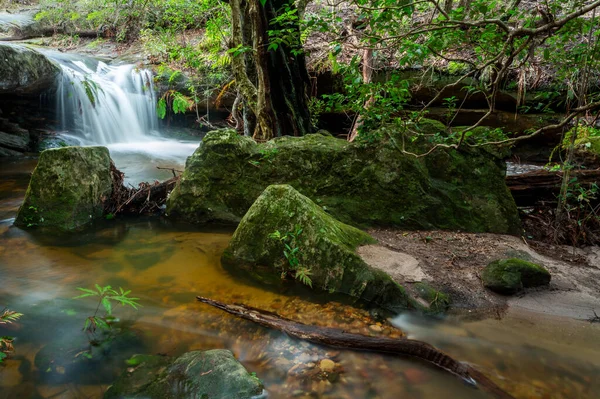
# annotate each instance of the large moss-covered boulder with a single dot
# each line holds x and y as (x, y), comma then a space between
(68, 189)
(213, 374)
(24, 70)
(509, 276)
(319, 243)
(359, 184)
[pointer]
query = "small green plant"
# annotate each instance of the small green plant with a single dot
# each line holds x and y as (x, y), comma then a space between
(107, 296)
(7, 316)
(291, 252)
(33, 218)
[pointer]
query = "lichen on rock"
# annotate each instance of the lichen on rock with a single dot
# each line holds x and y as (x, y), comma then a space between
(68, 189)
(213, 374)
(362, 184)
(326, 247)
(24, 70)
(509, 276)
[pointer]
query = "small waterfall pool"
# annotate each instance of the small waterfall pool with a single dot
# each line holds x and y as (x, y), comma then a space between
(115, 106)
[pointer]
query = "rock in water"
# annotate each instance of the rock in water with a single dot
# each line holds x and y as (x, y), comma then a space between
(358, 183)
(509, 276)
(213, 374)
(68, 189)
(325, 246)
(24, 70)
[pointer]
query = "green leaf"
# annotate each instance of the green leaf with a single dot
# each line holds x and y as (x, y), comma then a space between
(101, 323)
(107, 305)
(161, 108)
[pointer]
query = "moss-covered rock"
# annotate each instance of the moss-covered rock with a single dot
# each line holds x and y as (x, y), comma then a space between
(68, 189)
(213, 374)
(358, 183)
(325, 246)
(508, 276)
(24, 70)
(434, 300)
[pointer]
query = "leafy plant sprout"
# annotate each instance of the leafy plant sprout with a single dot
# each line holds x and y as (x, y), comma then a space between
(292, 252)
(106, 297)
(7, 316)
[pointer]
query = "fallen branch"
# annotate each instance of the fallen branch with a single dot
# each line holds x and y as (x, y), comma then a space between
(337, 338)
(92, 34)
(172, 170)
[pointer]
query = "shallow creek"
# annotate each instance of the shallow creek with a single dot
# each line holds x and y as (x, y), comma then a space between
(166, 266)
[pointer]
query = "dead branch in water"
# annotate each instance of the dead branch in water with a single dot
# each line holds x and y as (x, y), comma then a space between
(146, 198)
(340, 339)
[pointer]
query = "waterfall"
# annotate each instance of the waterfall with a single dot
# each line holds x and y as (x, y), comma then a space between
(102, 104)
(115, 106)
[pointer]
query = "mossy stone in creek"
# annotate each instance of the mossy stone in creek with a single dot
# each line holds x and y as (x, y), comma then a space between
(361, 184)
(326, 247)
(508, 276)
(68, 189)
(435, 301)
(213, 374)
(24, 70)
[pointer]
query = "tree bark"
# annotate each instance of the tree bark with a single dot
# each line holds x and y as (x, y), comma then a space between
(273, 81)
(340, 339)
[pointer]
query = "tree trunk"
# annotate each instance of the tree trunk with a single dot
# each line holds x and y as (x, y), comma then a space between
(273, 81)
(341, 339)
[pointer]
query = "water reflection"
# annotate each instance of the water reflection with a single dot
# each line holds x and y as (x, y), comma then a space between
(168, 265)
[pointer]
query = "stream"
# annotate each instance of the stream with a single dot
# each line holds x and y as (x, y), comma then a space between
(166, 265)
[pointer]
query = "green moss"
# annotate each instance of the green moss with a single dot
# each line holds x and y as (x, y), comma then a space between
(326, 247)
(359, 184)
(508, 276)
(68, 189)
(213, 374)
(437, 302)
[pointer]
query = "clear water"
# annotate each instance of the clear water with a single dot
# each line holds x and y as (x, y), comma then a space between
(167, 266)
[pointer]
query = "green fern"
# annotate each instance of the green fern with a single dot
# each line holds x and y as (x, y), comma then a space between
(9, 316)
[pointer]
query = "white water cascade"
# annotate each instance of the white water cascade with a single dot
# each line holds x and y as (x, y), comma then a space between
(115, 106)
(104, 104)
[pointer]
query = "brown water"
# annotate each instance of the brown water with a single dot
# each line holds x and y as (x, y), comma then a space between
(167, 266)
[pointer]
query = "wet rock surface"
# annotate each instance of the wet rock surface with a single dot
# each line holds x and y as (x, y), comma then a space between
(24, 70)
(213, 374)
(68, 189)
(359, 184)
(319, 243)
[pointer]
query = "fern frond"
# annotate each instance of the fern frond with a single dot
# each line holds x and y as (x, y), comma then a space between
(9, 316)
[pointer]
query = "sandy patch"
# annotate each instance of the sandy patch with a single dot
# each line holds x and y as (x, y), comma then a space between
(399, 266)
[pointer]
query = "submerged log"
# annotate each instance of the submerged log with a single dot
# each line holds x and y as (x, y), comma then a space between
(340, 339)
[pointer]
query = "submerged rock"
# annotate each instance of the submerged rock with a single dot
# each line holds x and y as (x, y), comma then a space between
(68, 189)
(24, 70)
(213, 374)
(317, 242)
(508, 276)
(359, 184)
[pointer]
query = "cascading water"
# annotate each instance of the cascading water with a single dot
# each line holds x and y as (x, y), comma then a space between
(115, 106)
(106, 104)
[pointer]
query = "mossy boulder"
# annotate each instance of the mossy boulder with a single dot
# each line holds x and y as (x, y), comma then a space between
(213, 374)
(24, 70)
(68, 189)
(358, 183)
(509, 276)
(325, 246)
